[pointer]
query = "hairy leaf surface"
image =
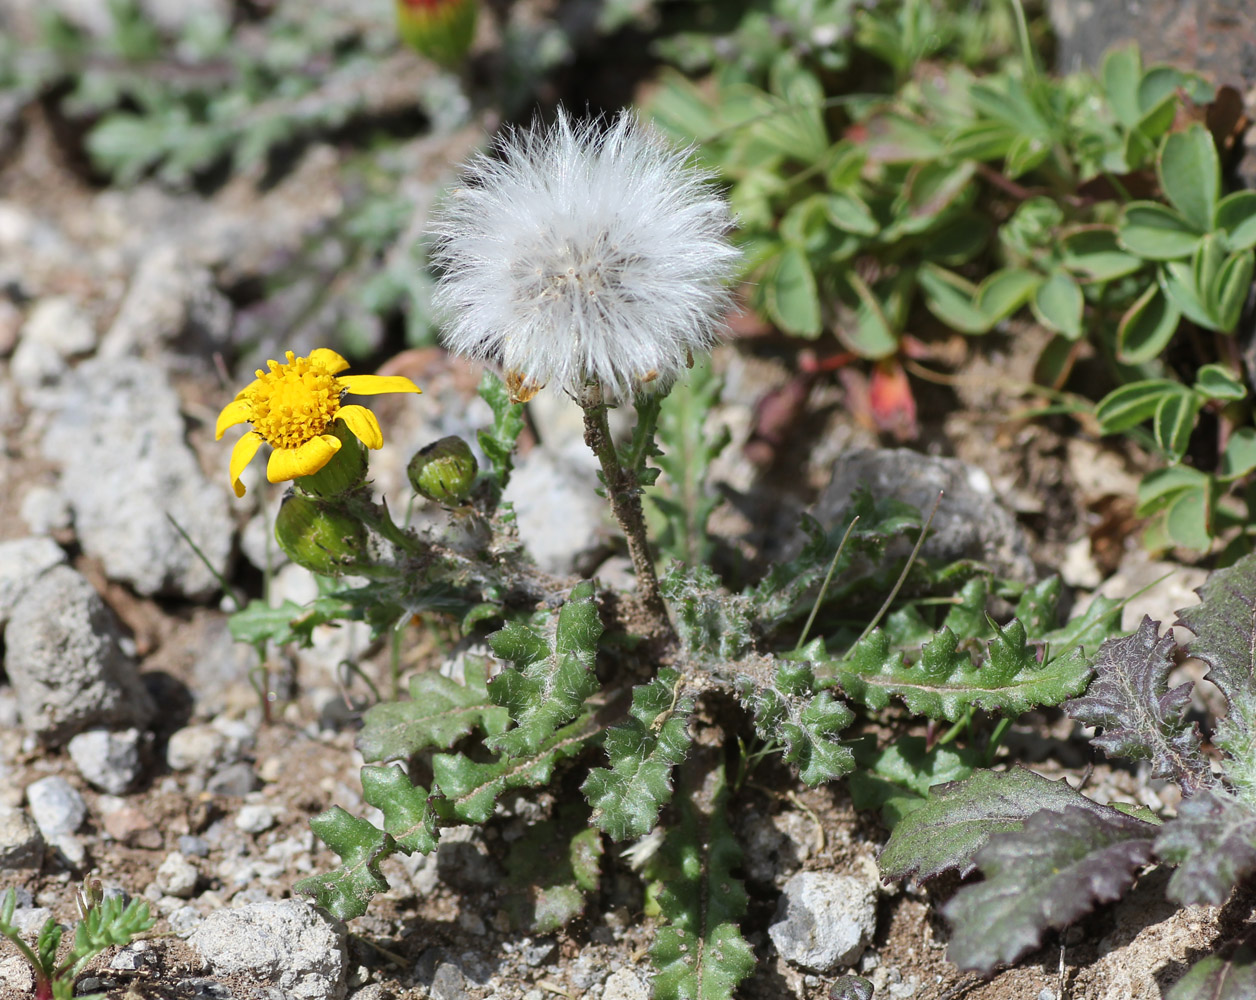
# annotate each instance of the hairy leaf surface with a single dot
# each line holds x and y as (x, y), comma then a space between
(552, 677)
(946, 833)
(1055, 869)
(699, 952)
(439, 713)
(471, 788)
(643, 750)
(1213, 842)
(498, 442)
(1139, 716)
(944, 683)
(712, 624)
(806, 723)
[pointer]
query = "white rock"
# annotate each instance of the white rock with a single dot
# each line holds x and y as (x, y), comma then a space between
(109, 761)
(199, 746)
(255, 818)
(56, 806)
(22, 562)
(287, 943)
(44, 510)
(624, 985)
(824, 920)
(176, 876)
(21, 844)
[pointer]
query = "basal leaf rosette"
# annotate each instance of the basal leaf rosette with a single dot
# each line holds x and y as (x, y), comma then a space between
(295, 408)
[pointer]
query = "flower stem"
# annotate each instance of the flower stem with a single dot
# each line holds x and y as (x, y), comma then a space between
(624, 493)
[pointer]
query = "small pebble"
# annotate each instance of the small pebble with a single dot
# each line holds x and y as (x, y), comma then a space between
(108, 761)
(194, 847)
(195, 746)
(56, 806)
(255, 819)
(21, 843)
(176, 876)
(235, 780)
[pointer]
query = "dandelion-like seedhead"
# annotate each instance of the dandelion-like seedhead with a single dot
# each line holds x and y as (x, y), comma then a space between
(584, 251)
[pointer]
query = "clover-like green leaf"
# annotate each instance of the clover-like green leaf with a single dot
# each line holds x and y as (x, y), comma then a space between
(1156, 232)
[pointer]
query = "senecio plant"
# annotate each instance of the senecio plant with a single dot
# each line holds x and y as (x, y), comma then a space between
(591, 258)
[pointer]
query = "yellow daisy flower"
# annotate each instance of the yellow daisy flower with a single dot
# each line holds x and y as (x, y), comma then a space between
(291, 408)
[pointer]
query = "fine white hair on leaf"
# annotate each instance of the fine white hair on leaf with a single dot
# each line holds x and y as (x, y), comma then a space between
(584, 250)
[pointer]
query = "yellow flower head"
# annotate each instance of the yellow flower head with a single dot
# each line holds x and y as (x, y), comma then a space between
(291, 408)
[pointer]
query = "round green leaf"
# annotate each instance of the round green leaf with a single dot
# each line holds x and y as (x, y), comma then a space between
(851, 214)
(793, 303)
(1093, 254)
(1121, 73)
(1218, 382)
(1156, 232)
(1058, 304)
(1236, 217)
(1188, 519)
(1239, 457)
(1005, 291)
(950, 298)
(1190, 174)
(1147, 327)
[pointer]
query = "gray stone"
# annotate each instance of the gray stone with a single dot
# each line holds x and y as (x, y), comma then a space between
(108, 761)
(176, 876)
(287, 943)
(64, 656)
(624, 985)
(448, 983)
(30, 920)
(55, 331)
(824, 921)
(199, 746)
(194, 847)
(236, 780)
(117, 432)
(22, 562)
(970, 522)
(21, 844)
(133, 957)
(56, 806)
(70, 851)
(172, 305)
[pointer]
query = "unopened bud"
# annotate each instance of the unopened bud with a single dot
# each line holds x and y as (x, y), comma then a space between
(346, 469)
(442, 30)
(444, 470)
(319, 536)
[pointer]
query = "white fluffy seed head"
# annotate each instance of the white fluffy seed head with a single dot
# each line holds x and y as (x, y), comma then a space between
(584, 251)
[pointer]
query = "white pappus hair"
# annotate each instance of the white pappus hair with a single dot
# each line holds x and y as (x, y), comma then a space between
(583, 251)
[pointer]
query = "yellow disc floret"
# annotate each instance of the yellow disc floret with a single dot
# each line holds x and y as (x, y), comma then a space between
(292, 407)
(293, 402)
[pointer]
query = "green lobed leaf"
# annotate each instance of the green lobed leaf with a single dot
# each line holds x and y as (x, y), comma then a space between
(945, 682)
(469, 789)
(1049, 873)
(642, 750)
(1227, 975)
(408, 815)
(1190, 174)
(1139, 717)
(946, 833)
(498, 442)
(1212, 840)
(347, 891)
(552, 679)
(805, 722)
(699, 951)
(711, 623)
(790, 294)
(439, 713)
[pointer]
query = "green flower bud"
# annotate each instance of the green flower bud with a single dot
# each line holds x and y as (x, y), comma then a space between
(318, 535)
(444, 470)
(344, 471)
(442, 30)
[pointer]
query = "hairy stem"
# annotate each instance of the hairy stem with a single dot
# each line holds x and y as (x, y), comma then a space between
(624, 493)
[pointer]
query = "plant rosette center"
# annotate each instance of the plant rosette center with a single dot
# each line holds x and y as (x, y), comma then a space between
(293, 407)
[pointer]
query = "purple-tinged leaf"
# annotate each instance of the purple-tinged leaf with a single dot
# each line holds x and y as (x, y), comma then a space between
(1225, 623)
(1055, 869)
(1213, 843)
(946, 832)
(1228, 975)
(1139, 716)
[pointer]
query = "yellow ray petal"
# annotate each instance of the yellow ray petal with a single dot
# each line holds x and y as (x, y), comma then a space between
(241, 455)
(363, 424)
(373, 385)
(292, 463)
(328, 360)
(238, 411)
